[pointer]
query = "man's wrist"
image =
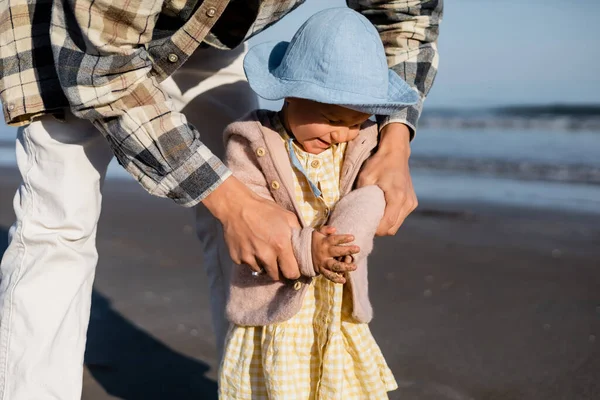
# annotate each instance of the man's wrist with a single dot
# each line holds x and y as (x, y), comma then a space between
(395, 138)
(219, 202)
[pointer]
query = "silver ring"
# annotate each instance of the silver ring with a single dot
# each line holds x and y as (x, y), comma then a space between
(258, 273)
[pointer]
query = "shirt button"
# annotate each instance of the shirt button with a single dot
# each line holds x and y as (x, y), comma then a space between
(315, 163)
(260, 152)
(11, 107)
(275, 185)
(211, 12)
(173, 57)
(297, 285)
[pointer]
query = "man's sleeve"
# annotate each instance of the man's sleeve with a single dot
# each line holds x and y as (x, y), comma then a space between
(101, 56)
(409, 31)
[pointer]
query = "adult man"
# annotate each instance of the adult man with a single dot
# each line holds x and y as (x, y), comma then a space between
(103, 61)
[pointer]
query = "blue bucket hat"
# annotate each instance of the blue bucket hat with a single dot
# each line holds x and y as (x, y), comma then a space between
(336, 57)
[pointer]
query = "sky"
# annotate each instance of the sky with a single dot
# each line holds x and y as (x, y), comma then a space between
(498, 52)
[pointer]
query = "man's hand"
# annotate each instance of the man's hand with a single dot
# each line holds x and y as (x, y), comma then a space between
(258, 232)
(332, 257)
(388, 169)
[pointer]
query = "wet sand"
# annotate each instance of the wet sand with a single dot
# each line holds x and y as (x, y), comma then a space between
(471, 302)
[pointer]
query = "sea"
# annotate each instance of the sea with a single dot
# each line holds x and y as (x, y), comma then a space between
(551, 169)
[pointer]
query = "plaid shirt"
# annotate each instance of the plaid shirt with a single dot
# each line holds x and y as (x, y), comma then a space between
(105, 58)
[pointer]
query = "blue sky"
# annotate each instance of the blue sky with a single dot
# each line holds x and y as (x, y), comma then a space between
(497, 52)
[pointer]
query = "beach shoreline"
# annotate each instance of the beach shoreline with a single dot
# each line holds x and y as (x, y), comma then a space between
(472, 301)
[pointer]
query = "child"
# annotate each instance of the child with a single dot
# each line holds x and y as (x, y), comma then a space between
(309, 339)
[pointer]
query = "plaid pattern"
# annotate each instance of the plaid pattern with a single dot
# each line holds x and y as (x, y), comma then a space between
(105, 59)
(320, 353)
(409, 31)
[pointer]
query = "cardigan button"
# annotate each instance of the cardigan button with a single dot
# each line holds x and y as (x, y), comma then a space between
(260, 152)
(173, 58)
(297, 285)
(275, 185)
(211, 12)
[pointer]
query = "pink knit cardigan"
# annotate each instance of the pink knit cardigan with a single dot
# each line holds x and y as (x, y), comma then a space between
(258, 157)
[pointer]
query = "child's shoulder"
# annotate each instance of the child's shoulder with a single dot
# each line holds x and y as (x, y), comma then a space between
(368, 130)
(368, 125)
(254, 120)
(250, 125)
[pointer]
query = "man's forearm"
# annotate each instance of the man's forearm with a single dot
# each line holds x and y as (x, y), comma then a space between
(409, 31)
(229, 195)
(109, 82)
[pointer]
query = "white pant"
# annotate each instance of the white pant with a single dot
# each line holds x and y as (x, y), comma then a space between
(48, 269)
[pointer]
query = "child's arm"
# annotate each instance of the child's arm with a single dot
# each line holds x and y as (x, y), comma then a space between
(359, 213)
(242, 162)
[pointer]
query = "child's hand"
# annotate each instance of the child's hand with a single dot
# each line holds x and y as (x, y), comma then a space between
(331, 257)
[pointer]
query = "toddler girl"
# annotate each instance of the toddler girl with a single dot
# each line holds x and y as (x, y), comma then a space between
(309, 339)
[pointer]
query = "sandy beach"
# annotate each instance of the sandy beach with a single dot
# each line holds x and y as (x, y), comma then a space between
(471, 302)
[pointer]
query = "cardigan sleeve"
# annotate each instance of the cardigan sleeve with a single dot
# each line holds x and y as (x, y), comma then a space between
(359, 213)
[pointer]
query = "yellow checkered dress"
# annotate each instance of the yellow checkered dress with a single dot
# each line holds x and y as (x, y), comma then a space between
(320, 353)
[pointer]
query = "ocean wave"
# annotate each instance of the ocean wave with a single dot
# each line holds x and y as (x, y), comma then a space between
(522, 170)
(551, 123)
(556, 117)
